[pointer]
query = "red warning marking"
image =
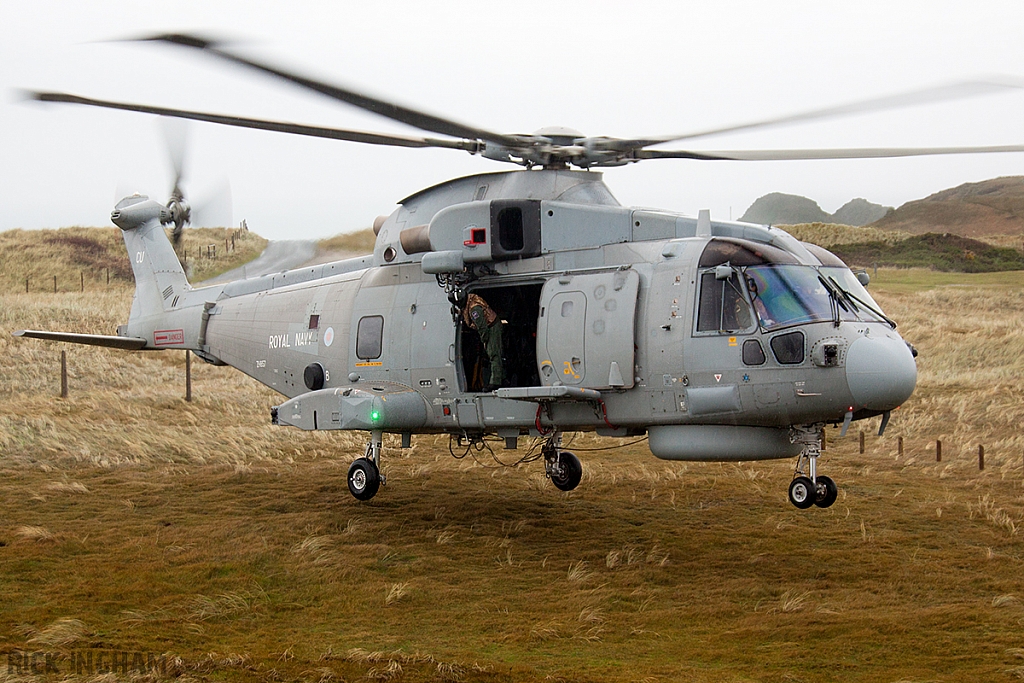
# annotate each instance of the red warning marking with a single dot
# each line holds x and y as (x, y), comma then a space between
(168, 337)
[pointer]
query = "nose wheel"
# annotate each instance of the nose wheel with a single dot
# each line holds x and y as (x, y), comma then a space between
(808, 487)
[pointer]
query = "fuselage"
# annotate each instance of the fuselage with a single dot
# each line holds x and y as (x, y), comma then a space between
(666, 320)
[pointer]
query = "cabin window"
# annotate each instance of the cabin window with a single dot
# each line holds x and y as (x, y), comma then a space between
(753, 354)
(789, 348)
(722, 307)
(370, 337)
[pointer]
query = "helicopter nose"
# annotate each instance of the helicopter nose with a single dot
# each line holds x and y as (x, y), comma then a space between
(881, 372)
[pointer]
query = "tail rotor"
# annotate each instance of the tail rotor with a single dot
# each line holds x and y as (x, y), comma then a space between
(179, 213)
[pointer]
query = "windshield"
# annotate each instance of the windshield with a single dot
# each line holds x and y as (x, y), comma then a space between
(789, 295)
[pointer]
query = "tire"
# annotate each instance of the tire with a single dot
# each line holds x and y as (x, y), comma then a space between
(363, 479)
(802, 493)
(827, 492)
(570, 472)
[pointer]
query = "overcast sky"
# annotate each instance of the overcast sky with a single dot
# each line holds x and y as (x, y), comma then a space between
(606, 68)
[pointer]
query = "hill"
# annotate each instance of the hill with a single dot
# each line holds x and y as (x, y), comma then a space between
(991, 207)
(93, 258)
(786, 209)
(777, 207)
(858, 212)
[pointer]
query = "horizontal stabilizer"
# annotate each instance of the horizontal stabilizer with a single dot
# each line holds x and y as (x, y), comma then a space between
(114, 342)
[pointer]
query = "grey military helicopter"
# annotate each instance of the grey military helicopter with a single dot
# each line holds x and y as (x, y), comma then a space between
(721, 341)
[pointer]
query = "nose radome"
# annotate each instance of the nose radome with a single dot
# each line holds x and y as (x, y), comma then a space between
(881, 372)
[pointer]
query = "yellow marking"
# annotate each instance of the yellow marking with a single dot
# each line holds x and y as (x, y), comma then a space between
(732, 341)
(370, 364)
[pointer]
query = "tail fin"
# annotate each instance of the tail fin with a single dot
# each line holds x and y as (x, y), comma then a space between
(159, 277)
(159, 281)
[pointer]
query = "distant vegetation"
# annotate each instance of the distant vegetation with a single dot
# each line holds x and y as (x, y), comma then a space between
(942, 252)
(829, 234)
(869, 246)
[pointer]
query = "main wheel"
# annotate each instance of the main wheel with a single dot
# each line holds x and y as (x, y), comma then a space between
(363, 479)
(827, 492)
(568, 473)
(802, 493)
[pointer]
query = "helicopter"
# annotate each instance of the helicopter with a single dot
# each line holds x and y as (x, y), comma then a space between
(717, 340)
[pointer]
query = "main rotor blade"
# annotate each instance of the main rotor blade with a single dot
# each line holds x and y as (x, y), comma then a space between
(396, 112)
(804, 154)
(954, 91)
(262, 124)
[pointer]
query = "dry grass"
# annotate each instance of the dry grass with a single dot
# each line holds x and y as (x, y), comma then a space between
(829, 234)
(132, 521)
(359, 242)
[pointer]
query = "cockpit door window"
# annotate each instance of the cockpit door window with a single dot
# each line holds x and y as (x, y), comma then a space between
(723, 307)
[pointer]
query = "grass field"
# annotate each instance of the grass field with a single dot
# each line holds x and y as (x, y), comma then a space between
(136, 526)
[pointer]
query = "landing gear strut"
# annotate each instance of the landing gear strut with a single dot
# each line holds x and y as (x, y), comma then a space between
(364, 477)
(561, 467)
(808, 487)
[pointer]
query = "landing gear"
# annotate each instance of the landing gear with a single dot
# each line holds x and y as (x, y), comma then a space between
(827, 492)
(807, 487)
(561, 467)
(364, 477)
(802, 493)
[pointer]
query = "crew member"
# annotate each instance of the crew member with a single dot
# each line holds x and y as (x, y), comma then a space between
(482, 318)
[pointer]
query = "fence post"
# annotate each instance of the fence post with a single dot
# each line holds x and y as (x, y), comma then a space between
(108, 276)
(188, 376)
(862, 441)
(938, 451)
(26, 285)
(981, 457)
(81, 274)
(54, 284)
(899, 445)
(63, 374)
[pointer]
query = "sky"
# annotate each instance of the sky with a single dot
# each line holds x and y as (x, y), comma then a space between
(624, 69)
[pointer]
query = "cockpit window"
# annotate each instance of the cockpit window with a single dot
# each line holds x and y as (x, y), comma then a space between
(791, 295)
(787, 295)
(723, 306)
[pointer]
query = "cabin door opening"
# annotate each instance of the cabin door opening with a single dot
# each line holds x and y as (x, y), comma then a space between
(517, 308)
